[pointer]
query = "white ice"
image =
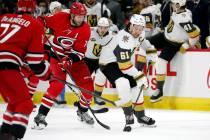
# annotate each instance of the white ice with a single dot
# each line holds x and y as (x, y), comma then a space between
(171, 125)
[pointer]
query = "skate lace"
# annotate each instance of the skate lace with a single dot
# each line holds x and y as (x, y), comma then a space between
(145, 118)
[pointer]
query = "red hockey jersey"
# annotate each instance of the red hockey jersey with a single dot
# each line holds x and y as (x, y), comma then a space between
(21, 39)
(68, 38)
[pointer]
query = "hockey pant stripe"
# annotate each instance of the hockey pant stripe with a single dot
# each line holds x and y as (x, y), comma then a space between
(47, 102)
(20, 119)
(7, 117)
(84, 102)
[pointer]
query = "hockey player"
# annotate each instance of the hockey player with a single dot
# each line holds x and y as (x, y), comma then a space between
(100, 36)
(179, 34)
(21, 40)
(152, 16)
(115, 63)
(71, 34)
(95, 10)
(144, 53)
(55, 7)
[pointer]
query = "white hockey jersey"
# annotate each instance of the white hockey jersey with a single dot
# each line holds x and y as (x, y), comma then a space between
(96, 42)
(180, 27)
(152, 16)
(94, 13)
(120, 50)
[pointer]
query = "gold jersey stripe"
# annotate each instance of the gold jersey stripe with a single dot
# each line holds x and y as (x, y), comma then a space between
(151, 51)
(141, 58)
(149, 25)
(125, 65)
(127, 104)
(161, 77)
(98, 88)
(139, 76)
(139, 107)
(194, 33)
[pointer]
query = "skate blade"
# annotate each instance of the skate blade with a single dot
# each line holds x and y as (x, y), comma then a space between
(86, 124)
(35, 127)
(149, 126)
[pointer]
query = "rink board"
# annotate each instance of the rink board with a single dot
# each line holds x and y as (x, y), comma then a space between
(187, 84)
(177, 103)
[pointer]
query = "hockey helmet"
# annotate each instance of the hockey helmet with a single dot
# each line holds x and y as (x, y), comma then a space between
(78, 8)
(137, 20)
(103, 22)
(53, 5)
(26, 5)
(180, 2)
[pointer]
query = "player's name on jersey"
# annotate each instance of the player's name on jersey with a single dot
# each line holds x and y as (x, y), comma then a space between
(16, 20)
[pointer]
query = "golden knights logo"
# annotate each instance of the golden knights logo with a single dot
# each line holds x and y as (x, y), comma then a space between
(92, 20)
(97, 49)
(125, 38)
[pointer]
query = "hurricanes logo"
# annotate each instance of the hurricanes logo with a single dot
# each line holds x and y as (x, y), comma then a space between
(208, 80)
(66, 42)
(97, 49)
(92, 20)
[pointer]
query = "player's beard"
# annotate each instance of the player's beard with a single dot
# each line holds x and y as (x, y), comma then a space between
(76, 23)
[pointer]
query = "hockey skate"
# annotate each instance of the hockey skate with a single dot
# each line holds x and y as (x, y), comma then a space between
(146, 121)
(85, 117)
(129, 121)
(143, 119)
(157, 96)
(40, 122)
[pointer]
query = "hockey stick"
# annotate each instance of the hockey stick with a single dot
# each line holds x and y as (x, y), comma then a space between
(69, 85)
(85, 90)
(67, 71)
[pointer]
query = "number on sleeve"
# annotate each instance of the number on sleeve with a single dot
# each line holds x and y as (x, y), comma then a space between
(188, 27)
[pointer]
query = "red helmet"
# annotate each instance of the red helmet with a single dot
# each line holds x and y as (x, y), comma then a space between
(26, 5)
(78, 8)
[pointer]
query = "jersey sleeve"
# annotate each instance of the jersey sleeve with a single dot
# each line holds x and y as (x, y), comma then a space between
(148, 19)
(190, 29)
(185, 21)
(35, 52)
(36, 48)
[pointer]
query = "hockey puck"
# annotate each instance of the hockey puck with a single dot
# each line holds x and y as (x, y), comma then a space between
(127, 129)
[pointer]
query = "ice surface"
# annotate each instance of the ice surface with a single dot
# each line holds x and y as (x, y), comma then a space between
(171, 125)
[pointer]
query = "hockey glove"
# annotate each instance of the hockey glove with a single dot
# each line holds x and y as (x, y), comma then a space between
(65, 63)
(141, 79)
